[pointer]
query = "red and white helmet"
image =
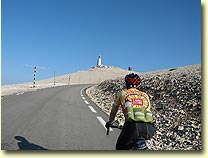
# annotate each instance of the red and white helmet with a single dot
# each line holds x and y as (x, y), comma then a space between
(132, 80)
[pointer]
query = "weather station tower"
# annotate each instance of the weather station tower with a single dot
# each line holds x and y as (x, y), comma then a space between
(99, 61)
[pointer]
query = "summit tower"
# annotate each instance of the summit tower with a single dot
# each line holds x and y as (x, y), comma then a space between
(99, 61)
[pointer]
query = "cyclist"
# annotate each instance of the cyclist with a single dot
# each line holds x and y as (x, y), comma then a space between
(135, 104)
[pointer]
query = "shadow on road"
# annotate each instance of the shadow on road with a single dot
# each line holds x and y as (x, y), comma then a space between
(24, 144)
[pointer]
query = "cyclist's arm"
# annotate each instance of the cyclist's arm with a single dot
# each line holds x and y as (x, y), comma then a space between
(113, 113)
(114, 109)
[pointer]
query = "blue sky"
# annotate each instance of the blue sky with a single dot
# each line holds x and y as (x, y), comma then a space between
(67, 35)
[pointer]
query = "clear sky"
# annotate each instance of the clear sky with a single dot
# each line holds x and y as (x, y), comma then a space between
(67, 35)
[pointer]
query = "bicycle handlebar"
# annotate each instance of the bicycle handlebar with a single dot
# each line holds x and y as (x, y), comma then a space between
(113, 126)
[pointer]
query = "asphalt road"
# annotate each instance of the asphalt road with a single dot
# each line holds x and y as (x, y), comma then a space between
(58, 118)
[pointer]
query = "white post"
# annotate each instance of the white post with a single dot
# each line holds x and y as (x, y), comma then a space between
(34, 80)
(54, 81)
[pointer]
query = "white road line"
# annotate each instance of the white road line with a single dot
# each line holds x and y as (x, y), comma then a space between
(103, 122)
(92, 109)
(20, 93)
(81, 92)
(86, 101)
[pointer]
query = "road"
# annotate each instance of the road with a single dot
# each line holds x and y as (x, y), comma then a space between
(58, 118)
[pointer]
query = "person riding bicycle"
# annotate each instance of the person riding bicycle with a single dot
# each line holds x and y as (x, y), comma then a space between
(135, 104)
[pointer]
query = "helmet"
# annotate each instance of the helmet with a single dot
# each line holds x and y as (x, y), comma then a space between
(132, 80)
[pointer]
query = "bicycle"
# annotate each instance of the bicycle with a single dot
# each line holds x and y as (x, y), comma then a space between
(139, 143)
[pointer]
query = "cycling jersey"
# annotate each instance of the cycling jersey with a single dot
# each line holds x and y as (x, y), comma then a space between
(135, 105)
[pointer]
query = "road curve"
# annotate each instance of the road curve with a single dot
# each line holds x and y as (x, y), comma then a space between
(58, 118)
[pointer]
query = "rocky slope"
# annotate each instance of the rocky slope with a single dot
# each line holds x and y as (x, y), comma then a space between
(176, 105)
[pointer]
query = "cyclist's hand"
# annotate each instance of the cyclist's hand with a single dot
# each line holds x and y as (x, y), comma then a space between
(108, 124)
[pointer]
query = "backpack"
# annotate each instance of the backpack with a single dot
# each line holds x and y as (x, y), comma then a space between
(136, 105)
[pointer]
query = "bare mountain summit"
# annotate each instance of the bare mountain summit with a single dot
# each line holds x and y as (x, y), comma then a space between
(91, 76)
